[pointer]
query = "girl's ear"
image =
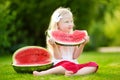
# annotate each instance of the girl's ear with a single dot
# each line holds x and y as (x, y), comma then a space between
(47, 33)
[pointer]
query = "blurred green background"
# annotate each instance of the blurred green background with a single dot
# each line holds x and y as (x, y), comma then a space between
(23, 22)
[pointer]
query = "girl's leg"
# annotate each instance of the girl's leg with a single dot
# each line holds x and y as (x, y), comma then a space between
(55, 70)
(86, 70)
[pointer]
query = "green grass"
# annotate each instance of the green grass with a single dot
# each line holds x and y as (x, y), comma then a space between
(109, 68)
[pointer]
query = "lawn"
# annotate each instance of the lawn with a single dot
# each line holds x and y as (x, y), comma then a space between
(109, 68)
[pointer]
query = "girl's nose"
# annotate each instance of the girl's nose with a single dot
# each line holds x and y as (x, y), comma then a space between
(71, 25)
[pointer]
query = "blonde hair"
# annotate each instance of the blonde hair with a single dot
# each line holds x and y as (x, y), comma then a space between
(55, 18)
(58, 13)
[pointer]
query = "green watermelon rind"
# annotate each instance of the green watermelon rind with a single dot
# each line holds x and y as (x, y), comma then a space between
(68, 44)
(31, 68)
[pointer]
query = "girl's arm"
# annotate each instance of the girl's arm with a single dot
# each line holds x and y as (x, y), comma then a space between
(56, 52)
(55, 49)
(79, 50)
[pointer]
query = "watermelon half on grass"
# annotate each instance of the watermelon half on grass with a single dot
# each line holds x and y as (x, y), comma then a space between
(68, 39)
(31, 58)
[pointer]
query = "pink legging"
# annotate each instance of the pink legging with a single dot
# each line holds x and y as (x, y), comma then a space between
(70, 66)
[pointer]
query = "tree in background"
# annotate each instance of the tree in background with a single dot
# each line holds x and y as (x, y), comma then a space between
(7, 28)
(112, 23)
(105, 28)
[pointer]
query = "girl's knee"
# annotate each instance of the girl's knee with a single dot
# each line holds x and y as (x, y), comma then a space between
(86, 70)
(93, 69)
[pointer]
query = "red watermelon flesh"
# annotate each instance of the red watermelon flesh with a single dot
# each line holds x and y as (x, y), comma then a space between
(74, 38)
(31, 56)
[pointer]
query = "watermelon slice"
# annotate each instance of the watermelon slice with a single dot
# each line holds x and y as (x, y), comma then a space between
(30, 58)
(66, 39)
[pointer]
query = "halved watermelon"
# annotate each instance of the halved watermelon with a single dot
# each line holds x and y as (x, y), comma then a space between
(66, 39)
(30, 58)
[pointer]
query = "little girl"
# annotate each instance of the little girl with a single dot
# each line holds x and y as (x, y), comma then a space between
(65, 57)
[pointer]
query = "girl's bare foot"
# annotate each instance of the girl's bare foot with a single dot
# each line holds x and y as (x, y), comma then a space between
(36, 73)
(68, 73)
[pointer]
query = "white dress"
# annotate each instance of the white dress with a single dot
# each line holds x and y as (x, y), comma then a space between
(67, 54)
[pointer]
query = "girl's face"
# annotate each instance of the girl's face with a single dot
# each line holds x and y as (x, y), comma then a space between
(66, 23)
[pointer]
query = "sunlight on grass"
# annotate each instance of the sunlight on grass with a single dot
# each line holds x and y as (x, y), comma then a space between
(108, 68)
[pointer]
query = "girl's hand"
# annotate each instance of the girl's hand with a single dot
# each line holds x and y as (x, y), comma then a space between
(52, 42)
(86, 40)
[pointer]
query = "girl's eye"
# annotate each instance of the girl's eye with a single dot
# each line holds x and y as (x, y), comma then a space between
(66, 21)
